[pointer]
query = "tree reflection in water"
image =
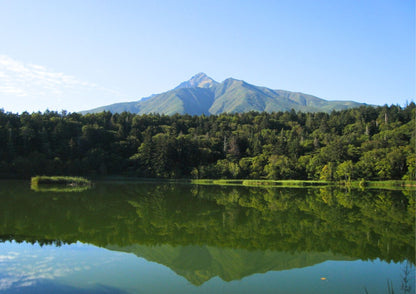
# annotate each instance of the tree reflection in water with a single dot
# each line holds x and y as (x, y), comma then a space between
(199, 229)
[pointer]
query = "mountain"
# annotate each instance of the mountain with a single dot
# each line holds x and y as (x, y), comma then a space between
(199, 80)
(198, 264)
(203, 95)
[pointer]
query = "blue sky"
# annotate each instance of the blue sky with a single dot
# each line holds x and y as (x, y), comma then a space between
(76, 55)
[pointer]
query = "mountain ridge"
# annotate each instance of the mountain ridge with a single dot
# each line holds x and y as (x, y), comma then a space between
(203, 95)
(198, 264)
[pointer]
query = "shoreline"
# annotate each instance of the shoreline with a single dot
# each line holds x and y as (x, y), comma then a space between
(356, 184)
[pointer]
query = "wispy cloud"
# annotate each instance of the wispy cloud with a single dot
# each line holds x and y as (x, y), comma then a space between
(23, 270)
(33, 87)
(20, 79)
(33, 264)
(9, 256)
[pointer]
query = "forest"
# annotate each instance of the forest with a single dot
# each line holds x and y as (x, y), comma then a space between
(369, 142)
(365, 224)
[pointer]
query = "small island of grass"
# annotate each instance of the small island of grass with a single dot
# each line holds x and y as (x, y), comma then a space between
(59, 183)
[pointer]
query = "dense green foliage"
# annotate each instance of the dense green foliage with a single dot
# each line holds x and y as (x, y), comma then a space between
(206, 231)
(372, 143)
(358, 224)
(364, 224)
(203, 95)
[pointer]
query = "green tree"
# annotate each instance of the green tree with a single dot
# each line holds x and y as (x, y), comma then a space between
(345, 171)
(328, 171)
(279, 167)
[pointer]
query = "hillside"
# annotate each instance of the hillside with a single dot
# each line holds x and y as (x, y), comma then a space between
(199, 264)
(202, 95)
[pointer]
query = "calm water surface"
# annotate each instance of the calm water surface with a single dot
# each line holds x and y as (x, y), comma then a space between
(179, 238)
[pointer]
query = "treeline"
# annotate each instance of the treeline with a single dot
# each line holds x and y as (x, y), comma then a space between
(373, 143)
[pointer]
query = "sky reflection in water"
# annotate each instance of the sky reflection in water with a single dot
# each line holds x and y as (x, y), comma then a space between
(162, 238)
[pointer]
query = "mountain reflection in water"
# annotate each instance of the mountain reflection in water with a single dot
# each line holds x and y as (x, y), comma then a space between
(205, 231)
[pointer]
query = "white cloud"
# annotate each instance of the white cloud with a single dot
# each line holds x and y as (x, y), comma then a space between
(32, 87)
(26, 270)
(23, 79)
(12, 90)
(10, 256)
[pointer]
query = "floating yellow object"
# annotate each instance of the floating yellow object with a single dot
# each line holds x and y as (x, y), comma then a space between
(323, 279)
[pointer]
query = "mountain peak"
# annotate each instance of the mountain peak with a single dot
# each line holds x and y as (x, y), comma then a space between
(202, 95)
(199, 76)
(200, 80)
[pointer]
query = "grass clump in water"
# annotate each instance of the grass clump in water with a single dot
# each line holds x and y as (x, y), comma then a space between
(59, 183)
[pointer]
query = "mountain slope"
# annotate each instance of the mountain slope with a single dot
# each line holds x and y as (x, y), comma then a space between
(203, 95)
(183, 100)
(199, 264)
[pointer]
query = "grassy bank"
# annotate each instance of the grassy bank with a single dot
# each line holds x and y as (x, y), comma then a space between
(268, 183)
(411, 185)
(359, 184)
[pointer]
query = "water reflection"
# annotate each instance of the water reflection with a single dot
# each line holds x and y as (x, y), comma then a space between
(27, 268)
(199, 264)
(201, 232)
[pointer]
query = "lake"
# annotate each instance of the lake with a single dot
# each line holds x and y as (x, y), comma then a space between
(149, 237)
